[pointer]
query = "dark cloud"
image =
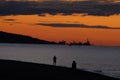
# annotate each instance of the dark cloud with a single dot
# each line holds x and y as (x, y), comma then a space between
(74, 25)
(90, 7)
(9, 19)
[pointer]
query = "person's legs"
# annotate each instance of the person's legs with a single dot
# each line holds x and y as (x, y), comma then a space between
(54, 62)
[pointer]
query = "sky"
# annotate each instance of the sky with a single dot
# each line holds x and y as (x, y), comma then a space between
(90, 7)
(69, 20)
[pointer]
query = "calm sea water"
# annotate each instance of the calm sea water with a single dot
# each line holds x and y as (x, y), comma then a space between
(104, 60)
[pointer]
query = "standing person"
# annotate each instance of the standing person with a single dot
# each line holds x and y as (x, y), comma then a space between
(74, 65)
(54, 60)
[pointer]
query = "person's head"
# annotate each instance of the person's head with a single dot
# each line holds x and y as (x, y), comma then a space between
(73, 61)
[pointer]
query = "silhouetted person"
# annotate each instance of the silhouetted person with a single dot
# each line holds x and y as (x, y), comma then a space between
(54, 60)
(74, 65)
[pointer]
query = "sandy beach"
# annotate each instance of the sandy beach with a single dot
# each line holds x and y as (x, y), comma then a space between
(16, 70)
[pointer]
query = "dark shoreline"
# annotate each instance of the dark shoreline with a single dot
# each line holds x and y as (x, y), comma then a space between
(19, 70)
(12, 38)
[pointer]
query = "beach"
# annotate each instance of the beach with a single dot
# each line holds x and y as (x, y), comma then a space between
(18, 70)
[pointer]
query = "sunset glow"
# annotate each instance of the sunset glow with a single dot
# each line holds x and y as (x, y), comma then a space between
(26, 25)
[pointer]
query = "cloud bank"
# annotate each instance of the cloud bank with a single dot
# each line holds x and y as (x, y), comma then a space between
(90, 7)
(60, 25)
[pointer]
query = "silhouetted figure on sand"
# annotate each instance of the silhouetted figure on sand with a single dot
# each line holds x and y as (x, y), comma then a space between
(54, 60)
(74, 65)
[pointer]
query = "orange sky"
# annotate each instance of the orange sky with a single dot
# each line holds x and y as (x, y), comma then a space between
(25, 24)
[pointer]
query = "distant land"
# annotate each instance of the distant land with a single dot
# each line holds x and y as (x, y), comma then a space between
(6, 37)
(16, 38)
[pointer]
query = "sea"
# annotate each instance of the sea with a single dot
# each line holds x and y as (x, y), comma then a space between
(98, 59)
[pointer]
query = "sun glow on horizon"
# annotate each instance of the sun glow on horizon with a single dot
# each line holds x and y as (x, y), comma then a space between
(26, 25)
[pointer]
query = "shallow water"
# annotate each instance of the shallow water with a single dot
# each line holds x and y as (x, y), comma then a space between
(103, 60)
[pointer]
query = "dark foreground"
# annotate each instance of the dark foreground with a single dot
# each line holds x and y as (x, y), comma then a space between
(16, 70)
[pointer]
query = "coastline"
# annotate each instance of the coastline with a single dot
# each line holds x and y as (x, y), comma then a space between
(11, 69)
